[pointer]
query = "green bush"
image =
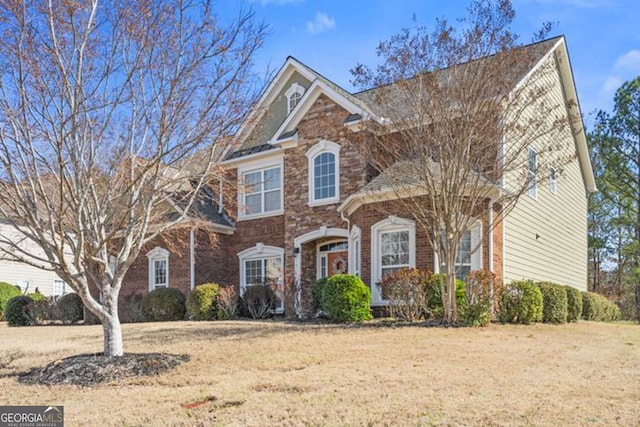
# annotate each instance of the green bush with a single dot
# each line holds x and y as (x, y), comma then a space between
(18, 313)
(434, 299)
(201, 302)
(7, 291)
(477, 314)
(521, 302)
(346, 299)
(164, 304)
(37, 296)
(69, 308)
(555, 308)
(260, 301)
(599, 308)
(316, 292)
(574, 304)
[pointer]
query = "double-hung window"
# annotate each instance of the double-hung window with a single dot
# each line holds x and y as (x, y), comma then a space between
(532, 165)
(158, 268)
(262, 191)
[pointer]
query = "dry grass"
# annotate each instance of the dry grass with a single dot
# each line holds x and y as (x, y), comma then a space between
(275, 373)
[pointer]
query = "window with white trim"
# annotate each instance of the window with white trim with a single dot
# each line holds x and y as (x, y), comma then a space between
(553, 180)
(294, 95)
(532, 166)
(354, 250)
(59, 287)
(158, 268)
(262, 191)
(469, 256)
(393, 247)
(262, 265)
(324, 172)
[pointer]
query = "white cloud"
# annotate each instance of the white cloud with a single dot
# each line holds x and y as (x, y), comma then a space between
(322, 22)
(275, 2)
(629, 61)
(609, 87)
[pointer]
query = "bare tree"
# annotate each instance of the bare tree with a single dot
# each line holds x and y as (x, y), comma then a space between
(457, 111)
(101, 106)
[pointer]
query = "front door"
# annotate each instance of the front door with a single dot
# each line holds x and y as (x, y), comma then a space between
(332, 259)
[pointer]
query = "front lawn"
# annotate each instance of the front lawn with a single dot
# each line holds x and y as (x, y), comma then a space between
(277, 373)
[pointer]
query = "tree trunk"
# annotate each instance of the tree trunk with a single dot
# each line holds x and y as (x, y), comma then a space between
(111, 327)
(638, 302)
(112, 336)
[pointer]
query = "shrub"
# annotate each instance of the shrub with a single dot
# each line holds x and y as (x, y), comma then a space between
(7, 291)
(260, 301)
(17, 311)
(521, 302)
(317, 291)
(132, 308)
(201, 302)
(407, 291)
(597, 307)
(42, 311)
(346, 299)
(164, 304)
(574, 304)
(555, 307)
(69, 308)
(482, 292)
(37, 296)
(434, 298)
(227, 302)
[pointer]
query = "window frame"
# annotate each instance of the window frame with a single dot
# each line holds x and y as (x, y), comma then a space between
(355, 251)
(296, 90)
(253, 168)
(323, 147)
(475, 249)
(54, 290)
(158, 254)
(532, 175)
(390, 225)
(263, 253)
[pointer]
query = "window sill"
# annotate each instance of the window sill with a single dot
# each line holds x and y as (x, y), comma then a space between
(323, 202)
(262, 215)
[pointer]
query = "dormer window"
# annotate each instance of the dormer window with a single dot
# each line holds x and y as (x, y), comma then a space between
(294, 95)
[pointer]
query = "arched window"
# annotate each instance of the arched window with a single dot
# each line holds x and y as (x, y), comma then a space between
(294, 95)
(324, 173)
(158, 268)
(393, 246)
(262, 265)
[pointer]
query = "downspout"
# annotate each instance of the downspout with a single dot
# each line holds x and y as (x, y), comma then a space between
(221, 198)
(490, 230)
(192, 259)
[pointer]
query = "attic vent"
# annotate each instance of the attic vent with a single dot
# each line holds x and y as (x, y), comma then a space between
(294, 95)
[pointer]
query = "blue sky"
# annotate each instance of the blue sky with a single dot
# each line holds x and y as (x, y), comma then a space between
(332, 36)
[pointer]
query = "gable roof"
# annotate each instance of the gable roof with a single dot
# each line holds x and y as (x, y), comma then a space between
(363, 105)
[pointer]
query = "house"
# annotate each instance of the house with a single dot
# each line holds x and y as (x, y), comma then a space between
(302, 207)
(29, 278)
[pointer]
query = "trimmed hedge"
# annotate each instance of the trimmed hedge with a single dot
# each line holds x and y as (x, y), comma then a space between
(317, 291)
(346, 299)
(17, 312)
(37, 296)
(555, 308)
(574, 304)
(164, 304)
(597, 307)
(7, 291)
(201, 302)
(521, 302)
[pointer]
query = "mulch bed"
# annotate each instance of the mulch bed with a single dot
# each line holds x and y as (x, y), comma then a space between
(94, 369)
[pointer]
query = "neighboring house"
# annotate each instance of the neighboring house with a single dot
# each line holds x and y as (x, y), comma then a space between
(302, 208)
(27, 277)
